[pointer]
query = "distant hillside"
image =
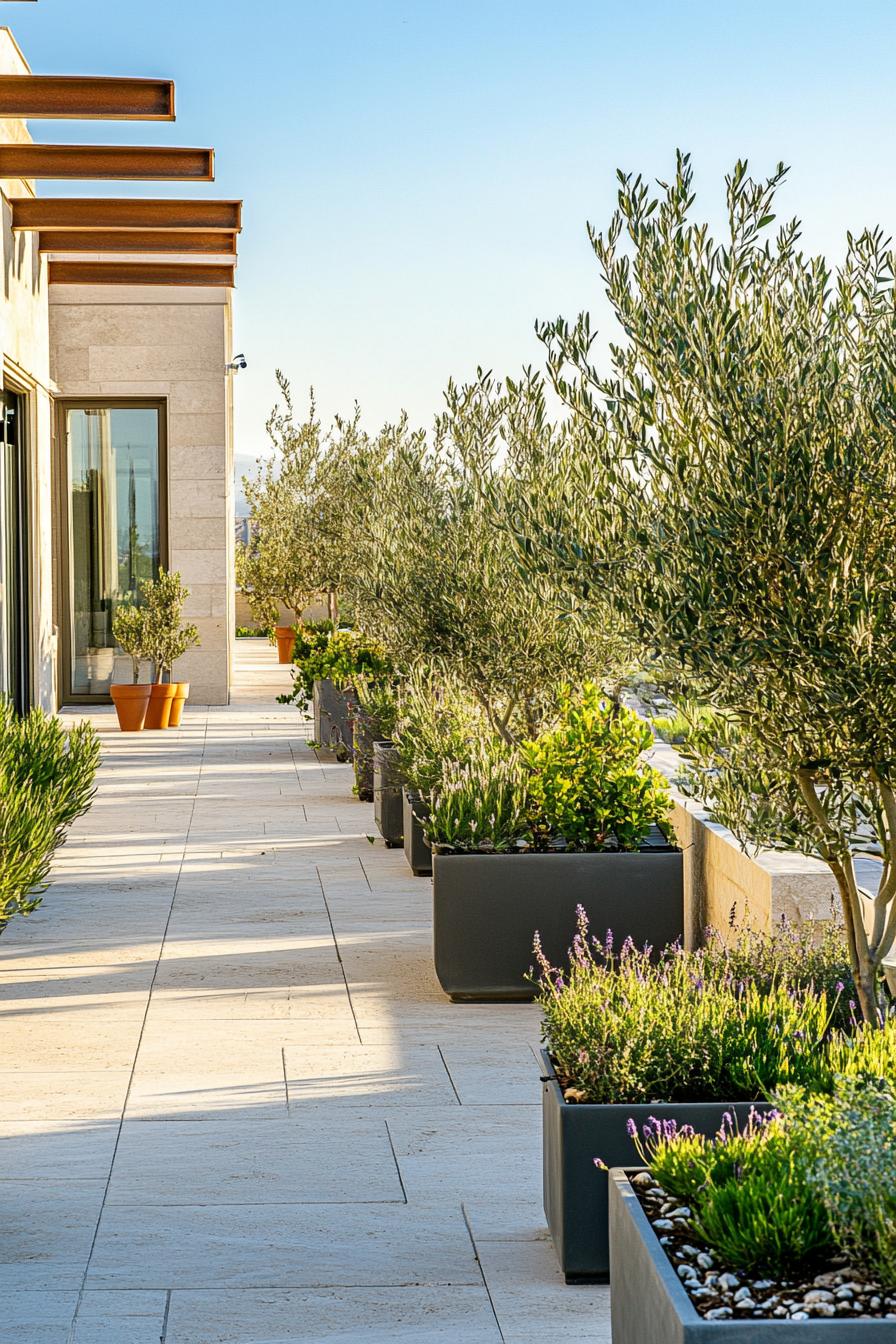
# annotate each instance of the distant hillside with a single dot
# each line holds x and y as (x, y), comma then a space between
(243, 465)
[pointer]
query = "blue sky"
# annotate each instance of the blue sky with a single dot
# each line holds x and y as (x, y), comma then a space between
(417, 176)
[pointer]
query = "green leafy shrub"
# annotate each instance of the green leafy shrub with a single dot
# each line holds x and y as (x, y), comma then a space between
(623, 1028)
(852, 1137)
(346, 657)
(586, 782)
(46, 781)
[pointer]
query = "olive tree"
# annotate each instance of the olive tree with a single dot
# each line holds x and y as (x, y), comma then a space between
(734, 496)
(307, 506)
(442, 584)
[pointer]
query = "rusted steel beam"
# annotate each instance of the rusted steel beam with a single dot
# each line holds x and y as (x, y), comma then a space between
(108, 162)
(86, 97)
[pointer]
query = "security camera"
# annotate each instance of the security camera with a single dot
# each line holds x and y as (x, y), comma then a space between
(238, 362)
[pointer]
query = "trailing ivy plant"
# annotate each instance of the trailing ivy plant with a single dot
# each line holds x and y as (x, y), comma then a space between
(46, 781)
(730, 490)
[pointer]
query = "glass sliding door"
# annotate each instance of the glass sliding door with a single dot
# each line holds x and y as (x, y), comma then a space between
(115, 505)
(15, 634)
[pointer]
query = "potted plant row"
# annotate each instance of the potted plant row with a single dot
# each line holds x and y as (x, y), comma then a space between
(522, 838)
(151, 629)
(781, 1229)
(687, 1037)
(329, 664)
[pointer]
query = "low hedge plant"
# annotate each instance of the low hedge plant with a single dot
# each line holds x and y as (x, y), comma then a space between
(706, 1025)
(46, 781)
(581, 786)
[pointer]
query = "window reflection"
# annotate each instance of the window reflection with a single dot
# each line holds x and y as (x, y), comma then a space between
(113, 461)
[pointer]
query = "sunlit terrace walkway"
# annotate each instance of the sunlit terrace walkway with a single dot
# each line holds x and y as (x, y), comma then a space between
(234, 1104)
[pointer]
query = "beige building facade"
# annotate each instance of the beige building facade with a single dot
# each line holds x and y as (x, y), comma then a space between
(116, 457)
(164, 349)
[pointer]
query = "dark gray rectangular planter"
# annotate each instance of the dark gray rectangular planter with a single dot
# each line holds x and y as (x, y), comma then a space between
(416, 850)
(388, 812)
(487, 908)
(648, 1304)
(362, 740)
(332, 721)
(575, 1191)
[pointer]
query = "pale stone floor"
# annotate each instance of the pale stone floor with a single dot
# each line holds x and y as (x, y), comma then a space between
(235, 1106)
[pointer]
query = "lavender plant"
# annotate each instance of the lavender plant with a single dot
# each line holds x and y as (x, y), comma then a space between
(750, 1192)
(793, 1186)
(622, 1027)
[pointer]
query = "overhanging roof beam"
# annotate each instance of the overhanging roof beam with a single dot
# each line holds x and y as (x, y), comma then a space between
(69, 212)
(86, 98)
(137, 240)
(140, 273)
(107, 162)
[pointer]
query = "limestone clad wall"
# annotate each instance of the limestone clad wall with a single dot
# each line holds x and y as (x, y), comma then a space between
(121, 342)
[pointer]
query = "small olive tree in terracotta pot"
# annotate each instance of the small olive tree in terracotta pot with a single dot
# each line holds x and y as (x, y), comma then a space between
(131, 699)
(167, 639)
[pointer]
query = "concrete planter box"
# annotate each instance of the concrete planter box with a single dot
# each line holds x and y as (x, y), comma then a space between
(362, 740)
(332, 720)
(487, 907)
(416, 850)
(575, 1191)
(648, 1303)
(388, 812)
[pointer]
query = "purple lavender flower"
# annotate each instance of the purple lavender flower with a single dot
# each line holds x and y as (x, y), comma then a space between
(600, 1164)
(632, 1128)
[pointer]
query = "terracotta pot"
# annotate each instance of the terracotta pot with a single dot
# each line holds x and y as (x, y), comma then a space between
(182, 691)
(131, 703)
(286, 642)
(160, 701)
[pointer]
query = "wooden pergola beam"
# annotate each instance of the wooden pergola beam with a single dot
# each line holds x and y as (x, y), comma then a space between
(125, 162)
(79, 213)
(140, 273)
(86, 97)
(137, 240)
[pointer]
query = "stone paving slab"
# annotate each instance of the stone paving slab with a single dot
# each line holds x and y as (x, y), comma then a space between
(235, 1104)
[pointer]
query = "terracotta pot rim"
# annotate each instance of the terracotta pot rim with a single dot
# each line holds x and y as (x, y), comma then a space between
(129, 690)
(164, 690)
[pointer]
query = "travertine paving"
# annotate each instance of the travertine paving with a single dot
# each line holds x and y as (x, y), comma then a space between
(235, 1106)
